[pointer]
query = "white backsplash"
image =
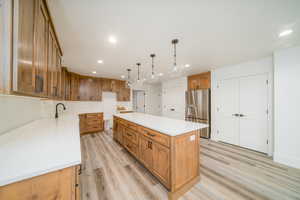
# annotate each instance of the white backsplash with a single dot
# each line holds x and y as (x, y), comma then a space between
(16, 111)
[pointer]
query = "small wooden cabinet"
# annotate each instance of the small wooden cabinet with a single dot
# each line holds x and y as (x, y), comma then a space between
(62, 184)
(91, 122)
(90, 89)
(199, 81)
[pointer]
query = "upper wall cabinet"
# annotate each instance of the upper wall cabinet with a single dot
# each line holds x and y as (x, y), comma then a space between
(199, 81)
(36, 51)
(90, 89)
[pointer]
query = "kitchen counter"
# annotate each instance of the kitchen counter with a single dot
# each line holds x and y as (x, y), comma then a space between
(40, 147)
(168, 126)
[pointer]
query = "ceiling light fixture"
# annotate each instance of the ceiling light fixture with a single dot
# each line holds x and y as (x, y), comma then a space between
(187, 65)
(122, 76)
(100, 61)
(152, 56)
(160, 74)
(112, 39)
(285, 33)
(94, 72)
(175, 42)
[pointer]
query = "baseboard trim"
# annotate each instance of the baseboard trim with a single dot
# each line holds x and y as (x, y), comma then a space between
(290, 160)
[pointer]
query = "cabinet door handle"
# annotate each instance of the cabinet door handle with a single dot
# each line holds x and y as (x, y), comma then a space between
(241, 115)
(236, 115)
(152, 135)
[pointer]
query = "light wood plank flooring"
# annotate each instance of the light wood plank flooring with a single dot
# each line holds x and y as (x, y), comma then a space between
(227, 172)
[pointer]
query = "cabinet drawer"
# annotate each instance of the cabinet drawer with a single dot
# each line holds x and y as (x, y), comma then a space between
(156, 136)
(131, 147)
(94, 116)
(93, 122)
(123, 122)
(131, 135)
(132, 126)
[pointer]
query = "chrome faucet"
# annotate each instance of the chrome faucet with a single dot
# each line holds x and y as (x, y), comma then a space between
(56, 112)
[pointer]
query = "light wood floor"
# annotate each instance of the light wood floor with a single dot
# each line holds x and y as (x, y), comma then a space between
(227, 172)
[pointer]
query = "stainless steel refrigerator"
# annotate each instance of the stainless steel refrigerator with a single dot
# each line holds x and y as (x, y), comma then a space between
(198, 109)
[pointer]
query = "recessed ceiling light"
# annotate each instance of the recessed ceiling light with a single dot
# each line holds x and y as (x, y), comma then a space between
(112, 39)
(187, 65)
(123, 76)
(160, 74)
(94, 72)
(285, 33)
(100, 61)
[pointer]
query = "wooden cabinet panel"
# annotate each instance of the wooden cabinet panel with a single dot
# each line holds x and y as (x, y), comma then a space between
(146, 153)
(55, 185)
(161, 162)
(40, 50)
(123, 94)
(90, 89)
(156, 136)
(25, 71)
(75, 87)
(199, 81)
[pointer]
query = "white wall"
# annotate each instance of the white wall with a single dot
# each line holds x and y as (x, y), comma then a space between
(244, 69)
(173, 97)
(1, 46)
(152, 100)
(287, 106)
(16, 111)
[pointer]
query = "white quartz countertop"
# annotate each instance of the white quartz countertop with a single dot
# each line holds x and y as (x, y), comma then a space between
(40, 147)
(164, 125)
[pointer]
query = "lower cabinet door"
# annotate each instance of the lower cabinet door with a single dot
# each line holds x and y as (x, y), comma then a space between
(146, 152)
(161, 162)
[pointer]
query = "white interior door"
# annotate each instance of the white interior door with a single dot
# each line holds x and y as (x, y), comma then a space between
(253, 107)
(139, 101)
(228, 106)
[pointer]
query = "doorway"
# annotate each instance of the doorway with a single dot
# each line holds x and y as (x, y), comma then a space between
(139, 101)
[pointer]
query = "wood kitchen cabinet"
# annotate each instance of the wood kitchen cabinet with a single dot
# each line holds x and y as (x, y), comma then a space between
(62, 184)
(75, 81)
(38, 55)
(123, 94)
(161, 163)
(90, 89)
(146, 152)
(199, 81)
(174, 160)
(91, 122)
(54, 68)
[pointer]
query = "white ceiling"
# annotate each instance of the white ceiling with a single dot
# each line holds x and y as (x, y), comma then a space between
(211, 33)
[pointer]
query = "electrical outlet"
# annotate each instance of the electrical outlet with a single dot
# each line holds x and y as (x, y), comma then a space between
(192, 137)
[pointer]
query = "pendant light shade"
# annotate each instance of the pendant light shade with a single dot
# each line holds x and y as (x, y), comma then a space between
(138, 67)
(174, 43)
(152, 57)
(128, 83)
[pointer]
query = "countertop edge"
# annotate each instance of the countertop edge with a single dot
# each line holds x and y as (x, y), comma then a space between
(43, 172)
(173, 134)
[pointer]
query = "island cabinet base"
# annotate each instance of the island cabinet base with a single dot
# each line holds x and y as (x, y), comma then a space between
(174, 160)
(61, 185)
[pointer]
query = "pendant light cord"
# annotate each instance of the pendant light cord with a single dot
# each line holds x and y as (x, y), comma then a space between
(152, 56)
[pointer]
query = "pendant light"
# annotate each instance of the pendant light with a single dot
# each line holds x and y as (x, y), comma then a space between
(175, 42)
(138, 66)
(152, 57)
(128, 83)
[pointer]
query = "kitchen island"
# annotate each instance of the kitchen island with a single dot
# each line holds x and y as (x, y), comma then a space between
(168, 148)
